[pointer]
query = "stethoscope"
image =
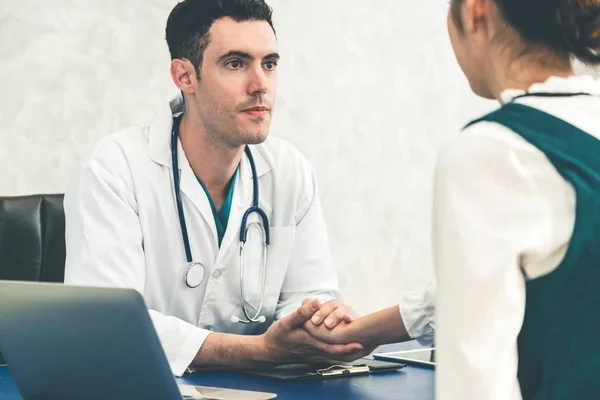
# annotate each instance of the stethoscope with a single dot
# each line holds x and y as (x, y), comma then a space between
(196, 271)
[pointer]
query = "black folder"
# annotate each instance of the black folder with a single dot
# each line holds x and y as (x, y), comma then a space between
(299, 372)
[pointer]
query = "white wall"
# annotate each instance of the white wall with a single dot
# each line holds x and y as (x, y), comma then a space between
(368, 91)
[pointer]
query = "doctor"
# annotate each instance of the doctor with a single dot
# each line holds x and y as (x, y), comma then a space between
(217, 226)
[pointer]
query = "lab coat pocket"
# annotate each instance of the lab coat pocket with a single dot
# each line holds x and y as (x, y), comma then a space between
(278, 257)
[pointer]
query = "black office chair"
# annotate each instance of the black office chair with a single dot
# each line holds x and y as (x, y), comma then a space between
(32, 239)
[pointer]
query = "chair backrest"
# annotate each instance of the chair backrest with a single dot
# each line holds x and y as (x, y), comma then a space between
(32, 238)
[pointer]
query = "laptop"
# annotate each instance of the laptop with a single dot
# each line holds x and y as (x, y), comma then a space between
(66, 342)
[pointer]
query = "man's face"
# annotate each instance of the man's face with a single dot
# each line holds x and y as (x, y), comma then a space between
(238, 82)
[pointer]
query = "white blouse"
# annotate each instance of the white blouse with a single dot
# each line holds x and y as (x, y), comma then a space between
(500, 210)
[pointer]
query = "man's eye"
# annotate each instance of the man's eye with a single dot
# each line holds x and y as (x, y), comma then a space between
(271, 64)
(234, 64)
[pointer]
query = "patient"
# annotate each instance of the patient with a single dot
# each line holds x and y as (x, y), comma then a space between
(516, 211)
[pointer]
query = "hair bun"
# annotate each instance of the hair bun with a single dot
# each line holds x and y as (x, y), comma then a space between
(580, 22)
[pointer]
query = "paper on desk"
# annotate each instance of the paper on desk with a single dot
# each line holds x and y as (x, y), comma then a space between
(213, 393)
(189, 392)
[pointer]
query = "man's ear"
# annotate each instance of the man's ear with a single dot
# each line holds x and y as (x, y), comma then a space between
(184, 75)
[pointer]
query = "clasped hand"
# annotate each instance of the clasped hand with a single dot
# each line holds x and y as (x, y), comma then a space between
(315, 333)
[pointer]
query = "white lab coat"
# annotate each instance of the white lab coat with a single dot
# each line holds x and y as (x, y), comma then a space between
(122, 230)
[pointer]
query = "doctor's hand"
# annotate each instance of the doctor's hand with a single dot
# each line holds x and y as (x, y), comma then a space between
(286, 340)
(332, 313)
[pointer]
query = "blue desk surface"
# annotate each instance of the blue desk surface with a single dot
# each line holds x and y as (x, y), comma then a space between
(409, 383)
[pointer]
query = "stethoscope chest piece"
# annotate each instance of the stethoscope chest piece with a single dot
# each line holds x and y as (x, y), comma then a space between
(194, 275)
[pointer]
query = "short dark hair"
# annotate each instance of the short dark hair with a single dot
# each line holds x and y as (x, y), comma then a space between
(568, 27)
(188, 25)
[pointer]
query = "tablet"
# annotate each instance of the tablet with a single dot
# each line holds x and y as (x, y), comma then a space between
(419, 357)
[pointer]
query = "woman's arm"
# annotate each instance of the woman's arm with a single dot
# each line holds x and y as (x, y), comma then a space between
(381, 327)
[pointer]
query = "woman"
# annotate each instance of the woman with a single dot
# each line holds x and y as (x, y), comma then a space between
(516, 211)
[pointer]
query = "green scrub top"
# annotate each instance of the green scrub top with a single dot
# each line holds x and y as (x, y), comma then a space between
(222, 216)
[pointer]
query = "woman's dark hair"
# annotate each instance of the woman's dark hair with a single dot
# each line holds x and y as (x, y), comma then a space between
(190, 21)
(568, 27)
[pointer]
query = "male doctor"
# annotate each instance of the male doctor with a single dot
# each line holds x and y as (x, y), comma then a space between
(127, 228)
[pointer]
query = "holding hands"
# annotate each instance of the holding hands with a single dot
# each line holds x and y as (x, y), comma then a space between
(289, 340)
(332, 323)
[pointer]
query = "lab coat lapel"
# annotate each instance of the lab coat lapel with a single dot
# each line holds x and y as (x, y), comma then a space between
(191, 189)
(160, 152)
(241, 201)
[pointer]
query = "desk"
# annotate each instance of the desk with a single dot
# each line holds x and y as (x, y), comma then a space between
(409, 383)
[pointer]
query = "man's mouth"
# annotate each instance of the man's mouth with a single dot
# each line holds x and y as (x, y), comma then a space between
(258, 111)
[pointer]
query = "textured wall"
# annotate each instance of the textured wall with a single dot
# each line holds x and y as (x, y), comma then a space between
(368, 92)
